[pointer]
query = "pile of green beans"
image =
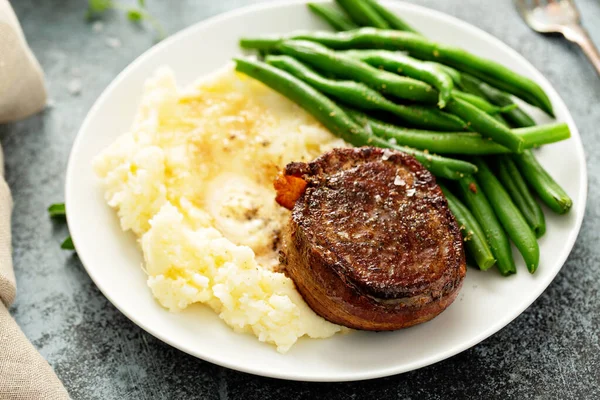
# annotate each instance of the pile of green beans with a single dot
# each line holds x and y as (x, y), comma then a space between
(400, 87)
(420, 47)
(400, 63)
(515, 115)
(475, 237)
(509, 215)
(361, 96)
(513, 182)
(478, 203)
(378, 82)
(338, 122)
(465, 143)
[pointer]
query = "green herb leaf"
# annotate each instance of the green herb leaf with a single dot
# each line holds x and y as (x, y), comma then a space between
(57, 210)
(99, 6)
(134, 15)
(68, 244)
(96, 7)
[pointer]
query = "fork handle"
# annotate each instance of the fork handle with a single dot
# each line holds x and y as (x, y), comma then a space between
(576, 34)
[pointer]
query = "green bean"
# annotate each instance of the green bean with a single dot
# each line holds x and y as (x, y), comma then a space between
(336, 120)
(442, 167)
(413, 68)
(362, 13)
(392, 19)
(550, 192)
(515, 185)
(332, 16)
(479, 205)
(347, 67)
(468, 85)
(454, 74)
(361, 96)
(486, 125)
(425, 71)
(481, 103)
(471, 84)
(469, 143)
(502, 120)
(517, 116)
(473, 235)
(514, 90)
(509, 215)
(421, 47)
(539, 135)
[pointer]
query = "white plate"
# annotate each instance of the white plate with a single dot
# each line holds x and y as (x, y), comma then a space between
(487, 302)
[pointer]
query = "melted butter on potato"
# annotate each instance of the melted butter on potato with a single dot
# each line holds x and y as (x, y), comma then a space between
(246, 213)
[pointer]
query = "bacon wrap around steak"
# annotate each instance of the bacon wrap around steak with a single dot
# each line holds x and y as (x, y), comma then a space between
(371, 243)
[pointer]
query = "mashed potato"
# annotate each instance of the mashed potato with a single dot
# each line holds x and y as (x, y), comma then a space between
(193, 179)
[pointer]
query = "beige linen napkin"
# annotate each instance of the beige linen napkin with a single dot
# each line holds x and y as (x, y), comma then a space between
(22, 91)
(24, 374)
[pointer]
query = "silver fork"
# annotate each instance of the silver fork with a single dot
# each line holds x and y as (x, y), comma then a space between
(559, 16)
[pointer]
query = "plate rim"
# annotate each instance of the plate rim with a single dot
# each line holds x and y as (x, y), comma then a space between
(363, 375)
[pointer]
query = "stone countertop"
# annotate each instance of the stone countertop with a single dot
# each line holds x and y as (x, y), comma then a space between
(551, 351)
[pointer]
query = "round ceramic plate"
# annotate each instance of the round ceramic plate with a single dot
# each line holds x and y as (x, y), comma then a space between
(112, 258)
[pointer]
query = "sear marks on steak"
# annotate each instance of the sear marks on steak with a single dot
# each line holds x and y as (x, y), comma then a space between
(371, 243)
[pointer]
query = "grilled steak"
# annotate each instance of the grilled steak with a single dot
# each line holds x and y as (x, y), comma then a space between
(371, 243)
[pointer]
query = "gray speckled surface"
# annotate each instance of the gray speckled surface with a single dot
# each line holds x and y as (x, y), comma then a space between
(551, 351)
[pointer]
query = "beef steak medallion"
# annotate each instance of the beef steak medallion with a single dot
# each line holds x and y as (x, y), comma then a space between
(371, 243)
